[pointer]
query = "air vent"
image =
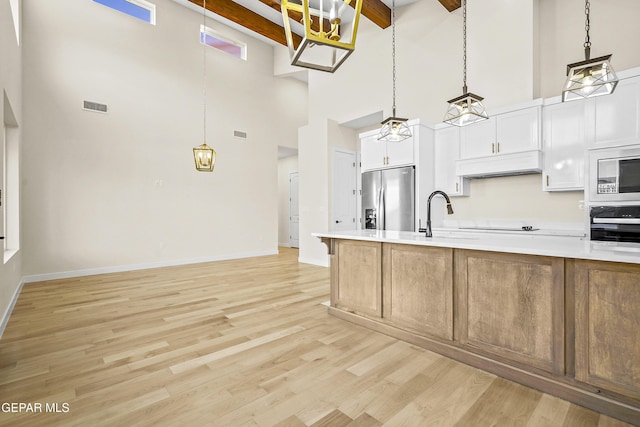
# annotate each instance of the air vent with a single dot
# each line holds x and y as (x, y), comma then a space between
(94, 106)
(240, 134)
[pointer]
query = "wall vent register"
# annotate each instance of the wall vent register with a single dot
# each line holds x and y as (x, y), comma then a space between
(94, 106)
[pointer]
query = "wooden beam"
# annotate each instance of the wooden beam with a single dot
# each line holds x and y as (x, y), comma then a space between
(296, 16)
(375, 10)
(248, 19)
(451, 5)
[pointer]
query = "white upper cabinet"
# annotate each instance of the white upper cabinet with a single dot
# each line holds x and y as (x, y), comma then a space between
(477, 140)
(401, 153)
(381, 154)
(446, 152)
(373, 153)
(505, 144)
(616, 117)
(518, 131)
(511, 132)
(564, 145)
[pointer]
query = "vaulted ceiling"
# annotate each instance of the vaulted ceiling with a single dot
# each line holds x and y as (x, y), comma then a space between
(264, 17)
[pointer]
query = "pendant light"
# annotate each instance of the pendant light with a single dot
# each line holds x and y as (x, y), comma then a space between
(394, 129)
(203, 155)
(329, 32)
(467, 108)
(591, 77)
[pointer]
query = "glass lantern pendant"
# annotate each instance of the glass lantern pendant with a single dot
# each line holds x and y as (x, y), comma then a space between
(329, 31)
(394, 129)
(203, 155)
(205, 158)
(591, 77)
(465, 110)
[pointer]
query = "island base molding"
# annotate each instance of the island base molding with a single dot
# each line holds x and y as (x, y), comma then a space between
(555, 387)
(567, 327)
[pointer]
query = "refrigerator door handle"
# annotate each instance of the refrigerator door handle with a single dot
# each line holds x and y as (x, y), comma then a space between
(381, 211)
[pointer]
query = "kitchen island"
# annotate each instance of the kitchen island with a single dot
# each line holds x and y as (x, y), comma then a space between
(560, 314)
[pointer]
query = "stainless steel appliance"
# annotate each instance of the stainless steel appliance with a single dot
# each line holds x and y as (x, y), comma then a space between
(388, 199)
(615, 223)
(615, 175)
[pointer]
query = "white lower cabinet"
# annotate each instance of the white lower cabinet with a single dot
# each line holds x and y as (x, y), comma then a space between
(564, 146)
(447, 152)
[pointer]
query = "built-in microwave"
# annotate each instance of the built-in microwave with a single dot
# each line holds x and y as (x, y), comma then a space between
(615, 174)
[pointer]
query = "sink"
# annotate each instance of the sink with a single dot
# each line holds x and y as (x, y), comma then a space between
(523, 228)
(440, 235)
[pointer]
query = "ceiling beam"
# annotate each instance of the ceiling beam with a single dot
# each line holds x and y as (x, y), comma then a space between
(451, 5)
(375, 10)
(248, 19)
(296, 16)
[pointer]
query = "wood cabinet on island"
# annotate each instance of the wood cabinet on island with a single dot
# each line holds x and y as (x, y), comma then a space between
(559, 314)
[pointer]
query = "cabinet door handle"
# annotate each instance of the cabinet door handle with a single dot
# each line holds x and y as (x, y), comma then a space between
(547, 180)
(493, 148)
(498, 147)
(457, 186)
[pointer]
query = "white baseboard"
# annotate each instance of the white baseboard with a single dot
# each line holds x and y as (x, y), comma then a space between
(319, 262)
(284, 245)
(5, 317)
(123, 268)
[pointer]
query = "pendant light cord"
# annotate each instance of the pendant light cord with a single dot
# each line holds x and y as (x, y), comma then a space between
(587, 27)
(204, 68)
(464, 46)
(393, 51)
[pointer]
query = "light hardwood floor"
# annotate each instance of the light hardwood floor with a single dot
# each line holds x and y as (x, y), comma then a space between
(237, 343)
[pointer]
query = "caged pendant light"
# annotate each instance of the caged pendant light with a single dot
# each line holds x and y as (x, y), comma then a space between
(394, 129)
(591, 77)
(330, 29)
(467, 108)
(203, 155)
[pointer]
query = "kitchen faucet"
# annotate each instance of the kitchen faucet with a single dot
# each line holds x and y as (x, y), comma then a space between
(449, 209)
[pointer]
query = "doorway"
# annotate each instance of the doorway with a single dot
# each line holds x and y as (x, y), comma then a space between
(344, 190)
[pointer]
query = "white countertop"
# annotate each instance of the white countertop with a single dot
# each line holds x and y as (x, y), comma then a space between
(558, 246)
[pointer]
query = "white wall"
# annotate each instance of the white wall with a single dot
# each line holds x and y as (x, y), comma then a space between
(10, 85)
(614, 30)
(316, 143)
(429, 62)
(120, 189)
(503, 198)
(285, 167)
(313, 162)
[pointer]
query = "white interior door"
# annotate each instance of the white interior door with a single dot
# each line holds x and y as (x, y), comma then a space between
(294, 216)
(344, 197)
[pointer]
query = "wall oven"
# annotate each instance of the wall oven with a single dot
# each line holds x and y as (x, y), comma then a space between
(615, 175)
(615, 223)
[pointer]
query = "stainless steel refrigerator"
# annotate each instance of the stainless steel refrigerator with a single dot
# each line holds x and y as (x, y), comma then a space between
(388, 199)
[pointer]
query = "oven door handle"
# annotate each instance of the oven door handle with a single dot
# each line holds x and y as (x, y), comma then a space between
(616, 220)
